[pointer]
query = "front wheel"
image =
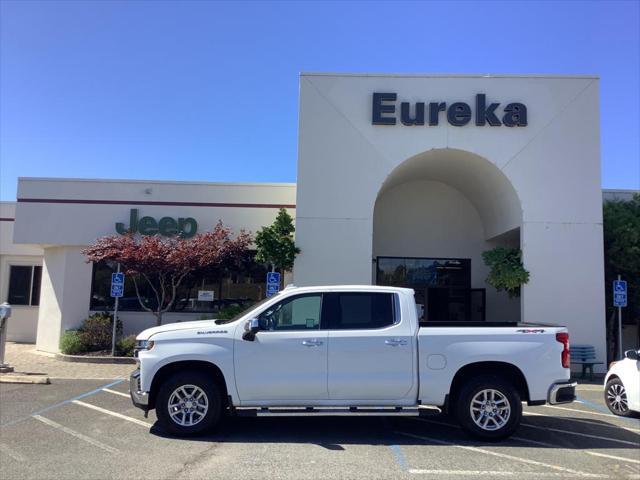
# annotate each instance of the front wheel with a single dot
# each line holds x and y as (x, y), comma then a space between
(488, 408)
(615, 396)
(188, 404)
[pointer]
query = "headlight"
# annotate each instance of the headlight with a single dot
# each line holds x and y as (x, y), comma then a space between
(143, 345)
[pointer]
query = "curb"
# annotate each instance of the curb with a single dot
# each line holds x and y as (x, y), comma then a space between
(33, 379)
(90, 359)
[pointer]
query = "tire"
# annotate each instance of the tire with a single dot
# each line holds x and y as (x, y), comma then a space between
(615, 397)
(188, 403)
(478, 408)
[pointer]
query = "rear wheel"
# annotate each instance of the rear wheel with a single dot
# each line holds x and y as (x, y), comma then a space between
(488, 407)
(615, 396)
(188, 404)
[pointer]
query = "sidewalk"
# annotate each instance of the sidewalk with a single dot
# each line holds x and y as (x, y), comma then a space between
(26, 360)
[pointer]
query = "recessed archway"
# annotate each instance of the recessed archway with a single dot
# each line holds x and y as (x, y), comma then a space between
(434, 216)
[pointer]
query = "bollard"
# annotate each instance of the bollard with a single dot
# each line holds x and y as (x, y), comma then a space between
(5, 313)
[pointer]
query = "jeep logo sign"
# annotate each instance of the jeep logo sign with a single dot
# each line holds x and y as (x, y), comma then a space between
(458, 113)
(166, 226)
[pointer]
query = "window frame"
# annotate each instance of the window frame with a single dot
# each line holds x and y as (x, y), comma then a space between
(291, 298)
(32, 267)
(395, 311)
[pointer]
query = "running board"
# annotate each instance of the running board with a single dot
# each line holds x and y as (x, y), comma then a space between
(334, 411)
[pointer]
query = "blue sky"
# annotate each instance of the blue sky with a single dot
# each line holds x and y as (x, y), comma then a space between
(208, 90)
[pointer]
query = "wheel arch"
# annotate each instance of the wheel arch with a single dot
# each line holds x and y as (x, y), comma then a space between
(504, 370)
(203, 366)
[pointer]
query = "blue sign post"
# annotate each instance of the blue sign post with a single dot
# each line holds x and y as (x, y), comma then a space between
(117, 291)
(620, 301)
(273, 283)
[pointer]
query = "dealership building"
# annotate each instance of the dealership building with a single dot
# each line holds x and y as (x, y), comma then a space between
(402, 180)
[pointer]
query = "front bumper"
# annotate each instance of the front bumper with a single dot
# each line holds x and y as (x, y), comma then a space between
(563, 392)
(140, 399)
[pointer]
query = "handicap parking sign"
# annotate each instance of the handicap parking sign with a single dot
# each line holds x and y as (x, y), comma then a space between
(117, 284)
(273, 283)
(619, 293)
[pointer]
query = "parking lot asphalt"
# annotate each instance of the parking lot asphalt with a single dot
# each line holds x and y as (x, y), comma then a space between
(88, 429)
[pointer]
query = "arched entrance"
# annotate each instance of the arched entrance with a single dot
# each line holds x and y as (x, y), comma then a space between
(434, 216)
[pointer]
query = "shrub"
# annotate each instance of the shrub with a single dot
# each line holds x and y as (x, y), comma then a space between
(506, 269)
(71, 343)
(125, 346)
(230, 311)
(97, 330)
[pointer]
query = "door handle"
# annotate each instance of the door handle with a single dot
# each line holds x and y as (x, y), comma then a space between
(312, 343)
(394, 342)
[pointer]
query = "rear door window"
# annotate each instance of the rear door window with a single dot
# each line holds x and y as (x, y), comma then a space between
(358, 310)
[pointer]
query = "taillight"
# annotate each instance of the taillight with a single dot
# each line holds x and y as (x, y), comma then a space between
(565, 356)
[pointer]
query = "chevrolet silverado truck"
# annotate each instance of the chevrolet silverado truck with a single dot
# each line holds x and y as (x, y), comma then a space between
(348, 349)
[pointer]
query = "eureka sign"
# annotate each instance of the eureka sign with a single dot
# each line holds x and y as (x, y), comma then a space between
(166, 226)
(458, 114)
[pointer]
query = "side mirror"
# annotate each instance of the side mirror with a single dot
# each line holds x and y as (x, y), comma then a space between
(251, 327)
(631, 354)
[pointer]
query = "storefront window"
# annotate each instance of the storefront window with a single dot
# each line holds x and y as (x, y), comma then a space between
(24, 285)
(197, 293)
(442, 286)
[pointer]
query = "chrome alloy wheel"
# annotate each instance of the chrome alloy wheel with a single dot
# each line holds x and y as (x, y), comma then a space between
(490, 409)
(617, 398)
(188, 405)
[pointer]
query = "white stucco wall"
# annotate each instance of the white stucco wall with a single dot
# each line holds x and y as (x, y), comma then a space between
(24, 318)
(64, 299)
(437, 220)
(66, 215)
(553, 165)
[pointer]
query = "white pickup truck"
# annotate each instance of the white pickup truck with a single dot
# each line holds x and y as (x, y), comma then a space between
(340, 349)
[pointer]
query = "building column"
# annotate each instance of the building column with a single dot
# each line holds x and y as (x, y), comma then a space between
(65, 295)
(566, 286)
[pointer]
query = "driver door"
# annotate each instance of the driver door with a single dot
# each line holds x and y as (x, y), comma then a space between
(287, 360)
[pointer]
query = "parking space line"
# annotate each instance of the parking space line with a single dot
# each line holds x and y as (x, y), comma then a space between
(583, 420)
(113, 414)
(11, 453)
(580, 411)
(115, 393)
(488, 473)
(78, 435)
(604, 411)
(64, 402)
(613, 457)
(587, 435)
(399, 456)
(545, 444)
(508, 457)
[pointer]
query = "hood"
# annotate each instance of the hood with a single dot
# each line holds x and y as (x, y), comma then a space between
(172, 327)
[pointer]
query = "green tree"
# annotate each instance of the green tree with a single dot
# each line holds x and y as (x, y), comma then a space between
(506, 269)
(621, 257)
(275, 244)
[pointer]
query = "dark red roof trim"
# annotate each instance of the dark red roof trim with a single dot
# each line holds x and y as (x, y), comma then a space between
(146, 202)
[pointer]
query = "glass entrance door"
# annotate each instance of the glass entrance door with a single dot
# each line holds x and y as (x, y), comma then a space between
(442, 286)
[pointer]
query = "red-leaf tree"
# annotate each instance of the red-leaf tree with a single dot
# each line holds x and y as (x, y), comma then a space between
(163, 262)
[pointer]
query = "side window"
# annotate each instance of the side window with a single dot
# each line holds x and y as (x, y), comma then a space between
(24, 285)
(296, 313)
(359, 310)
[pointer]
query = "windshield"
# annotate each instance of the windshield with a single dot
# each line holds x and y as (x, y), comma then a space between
(245, 311)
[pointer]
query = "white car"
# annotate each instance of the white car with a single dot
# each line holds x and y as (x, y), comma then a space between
(350, 348)
(622, 385)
